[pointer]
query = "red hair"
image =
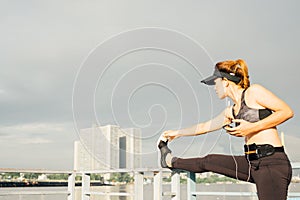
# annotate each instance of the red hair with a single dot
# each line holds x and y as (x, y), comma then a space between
(237, 67)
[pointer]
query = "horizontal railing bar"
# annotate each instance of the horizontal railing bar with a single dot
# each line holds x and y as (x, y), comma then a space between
(33, 193)
(248, 194)
(224, 193)
(110, 193)
(295, 165)
(140, 170)
(294, 194)
(2, 170)
(83, 171)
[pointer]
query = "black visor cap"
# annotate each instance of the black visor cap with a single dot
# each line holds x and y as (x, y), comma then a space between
(218, 74)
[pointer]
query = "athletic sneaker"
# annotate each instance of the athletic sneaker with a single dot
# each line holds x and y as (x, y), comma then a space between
(164, 151)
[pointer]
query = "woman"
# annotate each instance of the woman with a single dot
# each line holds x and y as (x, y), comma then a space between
(256, 113)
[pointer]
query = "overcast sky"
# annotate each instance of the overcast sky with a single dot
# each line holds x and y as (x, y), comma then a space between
(99, 52)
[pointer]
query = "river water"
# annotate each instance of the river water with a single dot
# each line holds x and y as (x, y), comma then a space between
(57, 192)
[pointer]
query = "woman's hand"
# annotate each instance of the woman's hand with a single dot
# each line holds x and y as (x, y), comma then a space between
(171, 135)
(243, 129)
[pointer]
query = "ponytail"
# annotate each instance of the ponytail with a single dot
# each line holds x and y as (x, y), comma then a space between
(243, 72)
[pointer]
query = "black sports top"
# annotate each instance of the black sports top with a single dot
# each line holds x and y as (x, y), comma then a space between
(250, 114)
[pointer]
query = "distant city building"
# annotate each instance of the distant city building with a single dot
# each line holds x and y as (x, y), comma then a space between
(108, 147)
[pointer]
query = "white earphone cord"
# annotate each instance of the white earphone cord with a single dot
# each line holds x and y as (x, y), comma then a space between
(230, 146)
(236, 165)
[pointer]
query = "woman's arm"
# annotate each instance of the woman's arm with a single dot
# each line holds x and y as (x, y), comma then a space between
(263, 97)
(201, 128)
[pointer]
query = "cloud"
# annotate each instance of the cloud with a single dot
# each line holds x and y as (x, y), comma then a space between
(32, 128)
(34, 141)
(33, 133)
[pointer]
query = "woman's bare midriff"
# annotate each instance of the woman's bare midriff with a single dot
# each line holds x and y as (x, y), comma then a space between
(269, 136)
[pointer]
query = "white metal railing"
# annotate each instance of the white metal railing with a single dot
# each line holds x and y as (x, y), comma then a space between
(138, 193)
(70, 189)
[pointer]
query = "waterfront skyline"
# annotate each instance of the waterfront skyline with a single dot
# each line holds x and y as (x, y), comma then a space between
(108, 147)
(44, 44)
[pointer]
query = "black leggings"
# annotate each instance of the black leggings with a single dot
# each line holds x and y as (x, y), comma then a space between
(272, 174)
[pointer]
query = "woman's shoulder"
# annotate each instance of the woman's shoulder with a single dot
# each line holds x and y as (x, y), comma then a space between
(257, 94)
(256, 88)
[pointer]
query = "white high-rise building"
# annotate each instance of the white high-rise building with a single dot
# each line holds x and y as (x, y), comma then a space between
(108, 147)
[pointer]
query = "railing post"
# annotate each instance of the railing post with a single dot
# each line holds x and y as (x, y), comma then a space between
(138, 186)
(175, 186)
(191, 186)
(86, 184)
(71, 186)
(157, 190)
